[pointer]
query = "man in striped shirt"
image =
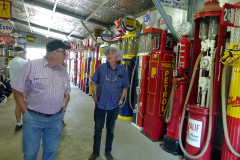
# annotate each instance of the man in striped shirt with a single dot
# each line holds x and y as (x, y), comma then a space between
(47, 94)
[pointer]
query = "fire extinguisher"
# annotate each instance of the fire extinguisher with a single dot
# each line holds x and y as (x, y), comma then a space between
(231, 119)
(173, 112)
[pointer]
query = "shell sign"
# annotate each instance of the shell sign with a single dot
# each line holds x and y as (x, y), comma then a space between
(5, 9)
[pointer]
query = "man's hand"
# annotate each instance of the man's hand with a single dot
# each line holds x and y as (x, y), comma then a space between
(95, 99)
(120, 102)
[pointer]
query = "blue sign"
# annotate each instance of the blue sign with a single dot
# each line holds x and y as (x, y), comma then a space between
(22, 42)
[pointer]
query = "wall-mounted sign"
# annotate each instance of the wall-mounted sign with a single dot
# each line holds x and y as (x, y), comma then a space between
(107, 35)
(22, 42)
(98, 32)
(181, 4)
(6, 9)
(6, 26)
(129, 22)
(11, 42)
(31, 39)
(5, 39)
(150, 18)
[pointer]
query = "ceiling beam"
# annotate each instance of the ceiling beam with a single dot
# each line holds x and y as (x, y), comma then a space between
(44, 28)
(49, 7)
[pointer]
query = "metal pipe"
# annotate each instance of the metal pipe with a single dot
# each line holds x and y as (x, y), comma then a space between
(167, 21)
(89, 32)
(25, 9)
(50, 25)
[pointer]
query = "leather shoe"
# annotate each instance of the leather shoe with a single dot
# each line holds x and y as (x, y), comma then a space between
(109, 156)
(18, 128)
(93, 156)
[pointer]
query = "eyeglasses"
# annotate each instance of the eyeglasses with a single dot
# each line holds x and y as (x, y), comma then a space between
(64, 52)
(111, 80)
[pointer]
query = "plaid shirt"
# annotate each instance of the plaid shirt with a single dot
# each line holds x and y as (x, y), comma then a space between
(110, 83)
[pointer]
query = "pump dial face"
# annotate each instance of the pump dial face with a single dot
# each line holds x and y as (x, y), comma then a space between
(205, 63)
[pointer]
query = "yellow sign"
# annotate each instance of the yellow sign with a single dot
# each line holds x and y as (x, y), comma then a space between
(30, 39)
(154, 71)
(98, 32)
(5, 9)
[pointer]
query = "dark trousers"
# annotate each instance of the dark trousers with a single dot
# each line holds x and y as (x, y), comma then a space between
(99, 118)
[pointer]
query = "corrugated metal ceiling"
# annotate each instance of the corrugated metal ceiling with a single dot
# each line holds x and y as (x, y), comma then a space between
(69, 13)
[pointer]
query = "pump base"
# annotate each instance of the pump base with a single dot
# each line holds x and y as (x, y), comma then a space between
(171, 145)
(149, 137)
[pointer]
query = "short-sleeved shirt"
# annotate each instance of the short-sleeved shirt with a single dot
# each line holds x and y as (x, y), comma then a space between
(110, 83)
(45, 86)
(15, 68)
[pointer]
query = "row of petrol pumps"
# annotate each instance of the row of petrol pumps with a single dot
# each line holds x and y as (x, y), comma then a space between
(175, 97)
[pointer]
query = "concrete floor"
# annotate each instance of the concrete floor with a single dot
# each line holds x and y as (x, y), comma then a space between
(77, 138)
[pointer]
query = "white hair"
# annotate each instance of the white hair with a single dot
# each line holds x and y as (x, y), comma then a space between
(17, 53)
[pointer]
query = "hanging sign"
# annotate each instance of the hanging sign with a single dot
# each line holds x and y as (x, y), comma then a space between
(107, 35)
(98, 32)
(6, 27)
(6, 9)
(181, 4)
(194, 130)
(229, 14)
(129, 22)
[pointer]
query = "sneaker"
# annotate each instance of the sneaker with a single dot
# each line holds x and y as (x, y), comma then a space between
(93, 156)
(109, 156)
(18, 128)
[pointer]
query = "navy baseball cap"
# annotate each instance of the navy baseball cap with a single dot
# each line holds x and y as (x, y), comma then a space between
(55, 44)
(18, 49)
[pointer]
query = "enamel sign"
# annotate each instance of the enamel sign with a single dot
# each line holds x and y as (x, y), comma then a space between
(6, 26)
(181, 4)
(5, 9)
(194, 130)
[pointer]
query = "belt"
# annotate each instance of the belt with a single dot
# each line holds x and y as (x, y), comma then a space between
(46, 115)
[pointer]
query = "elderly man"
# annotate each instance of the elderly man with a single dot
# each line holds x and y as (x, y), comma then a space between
(15, 68)
(110, 83)
(47, 94)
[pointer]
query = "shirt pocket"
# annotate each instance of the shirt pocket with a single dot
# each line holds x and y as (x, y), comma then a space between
(40, 81)
(62, 82)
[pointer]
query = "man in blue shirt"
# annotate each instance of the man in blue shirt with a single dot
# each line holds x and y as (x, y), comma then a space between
(15, 68)
(110, 83)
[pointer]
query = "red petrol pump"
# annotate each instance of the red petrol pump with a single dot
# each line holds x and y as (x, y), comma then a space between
(146, 45)
(80, 69)
(159, 86)
(209, 40)
(174, 108)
